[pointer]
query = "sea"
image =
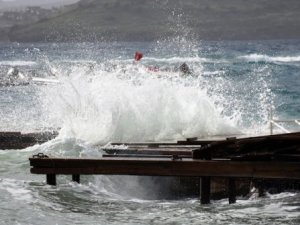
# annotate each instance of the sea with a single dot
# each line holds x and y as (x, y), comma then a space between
(94, 94)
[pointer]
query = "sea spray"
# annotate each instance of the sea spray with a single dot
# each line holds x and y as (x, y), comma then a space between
(98, 95)
(134, 104)
(244, 96)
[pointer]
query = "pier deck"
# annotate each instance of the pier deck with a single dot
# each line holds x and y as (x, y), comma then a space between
(263, 157)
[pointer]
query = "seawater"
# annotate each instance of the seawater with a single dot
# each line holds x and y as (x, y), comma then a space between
(103, 96)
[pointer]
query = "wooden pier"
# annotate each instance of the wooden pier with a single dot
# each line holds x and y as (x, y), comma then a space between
(266, 157)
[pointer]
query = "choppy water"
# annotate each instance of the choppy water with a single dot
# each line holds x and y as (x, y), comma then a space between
(102, 96)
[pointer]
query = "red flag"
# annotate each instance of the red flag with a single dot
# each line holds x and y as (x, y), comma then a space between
(138, 56)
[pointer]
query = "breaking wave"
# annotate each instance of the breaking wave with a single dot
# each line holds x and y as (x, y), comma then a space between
(134, 104)
(266, 58)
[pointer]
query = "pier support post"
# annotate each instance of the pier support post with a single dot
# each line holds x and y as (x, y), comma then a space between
(51, 179)
(261, 188)
(231, 190)
(205, 190)
(76, 178)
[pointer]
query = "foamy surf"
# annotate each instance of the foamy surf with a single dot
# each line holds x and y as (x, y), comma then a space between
(178, 59)
(267, 58)
(135, 105)
(17, 63)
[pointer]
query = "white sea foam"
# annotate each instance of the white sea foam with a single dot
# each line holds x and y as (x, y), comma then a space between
(17, 63)
(177, 59)
(76, 61)
(134, 105)
(15, 189)
(172, 60)
(32, 50)
(266, 58)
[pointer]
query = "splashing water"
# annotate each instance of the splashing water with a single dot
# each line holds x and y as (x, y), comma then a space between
(116, 100)
(133, 104)
(104, 97)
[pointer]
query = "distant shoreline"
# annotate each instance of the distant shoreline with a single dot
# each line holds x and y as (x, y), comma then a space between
(218, 20)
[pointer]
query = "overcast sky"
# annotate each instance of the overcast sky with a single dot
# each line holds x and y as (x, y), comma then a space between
(4, 4)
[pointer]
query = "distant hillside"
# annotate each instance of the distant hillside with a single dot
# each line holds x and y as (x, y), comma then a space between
(140, 20)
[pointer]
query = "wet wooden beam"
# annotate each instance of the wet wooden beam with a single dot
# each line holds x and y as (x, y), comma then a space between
(198, 142)
(151, 151)
(144, 144)
(166, 167)
(271, 144)
(187, 142)
(145, 156)
(268, 157)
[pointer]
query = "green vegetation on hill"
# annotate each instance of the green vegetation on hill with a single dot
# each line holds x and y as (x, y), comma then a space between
(139, 20)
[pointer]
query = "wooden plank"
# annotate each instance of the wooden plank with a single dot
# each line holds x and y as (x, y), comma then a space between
(150, 144)
(263, 144)
(158, 151)
(199, 142)
(145, 156)
(166, 167)
(268, 157)
(165, 147)
(187, 142)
